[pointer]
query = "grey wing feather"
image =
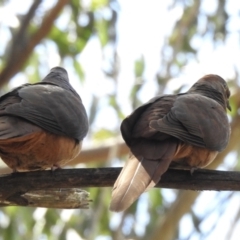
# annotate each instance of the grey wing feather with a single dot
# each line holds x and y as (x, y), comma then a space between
(11, 127)
(52, 108)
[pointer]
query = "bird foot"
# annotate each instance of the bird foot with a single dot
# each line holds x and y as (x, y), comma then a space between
(55, 167)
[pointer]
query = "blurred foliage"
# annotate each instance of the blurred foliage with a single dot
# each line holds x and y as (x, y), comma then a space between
(139, 68)
(74, 28)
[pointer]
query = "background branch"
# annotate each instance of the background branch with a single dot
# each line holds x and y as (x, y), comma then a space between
(19, 58)
(20, 37)
(94, 154)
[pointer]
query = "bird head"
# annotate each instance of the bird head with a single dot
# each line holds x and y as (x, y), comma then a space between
(58, 76)
(59, 71)
(215, 87)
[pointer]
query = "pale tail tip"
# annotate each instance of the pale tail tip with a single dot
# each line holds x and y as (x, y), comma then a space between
(117, 207)
(114, 208)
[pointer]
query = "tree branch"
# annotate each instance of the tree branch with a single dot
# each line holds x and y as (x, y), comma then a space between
(19, 39)
(14, 186)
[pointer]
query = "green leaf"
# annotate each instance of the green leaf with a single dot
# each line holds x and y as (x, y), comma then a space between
(79, 70)
(139, 67)
(103, 134)
(102, 29)
(96, 4)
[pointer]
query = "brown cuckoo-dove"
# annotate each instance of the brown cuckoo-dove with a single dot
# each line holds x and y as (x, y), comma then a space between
(42, 125)
(186, 129)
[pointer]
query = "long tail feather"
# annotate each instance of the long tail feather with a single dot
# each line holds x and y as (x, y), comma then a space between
(134, 179)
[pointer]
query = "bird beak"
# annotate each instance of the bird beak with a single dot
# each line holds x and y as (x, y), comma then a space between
(228, 106)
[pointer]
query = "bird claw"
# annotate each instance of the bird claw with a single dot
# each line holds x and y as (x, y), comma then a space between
(55, 167)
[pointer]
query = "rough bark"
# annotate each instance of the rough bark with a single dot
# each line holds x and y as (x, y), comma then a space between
(14, 187)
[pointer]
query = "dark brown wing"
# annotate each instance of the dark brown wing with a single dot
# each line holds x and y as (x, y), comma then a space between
(197, 120)
(140, 137)
(136, 125)
(11, 127)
